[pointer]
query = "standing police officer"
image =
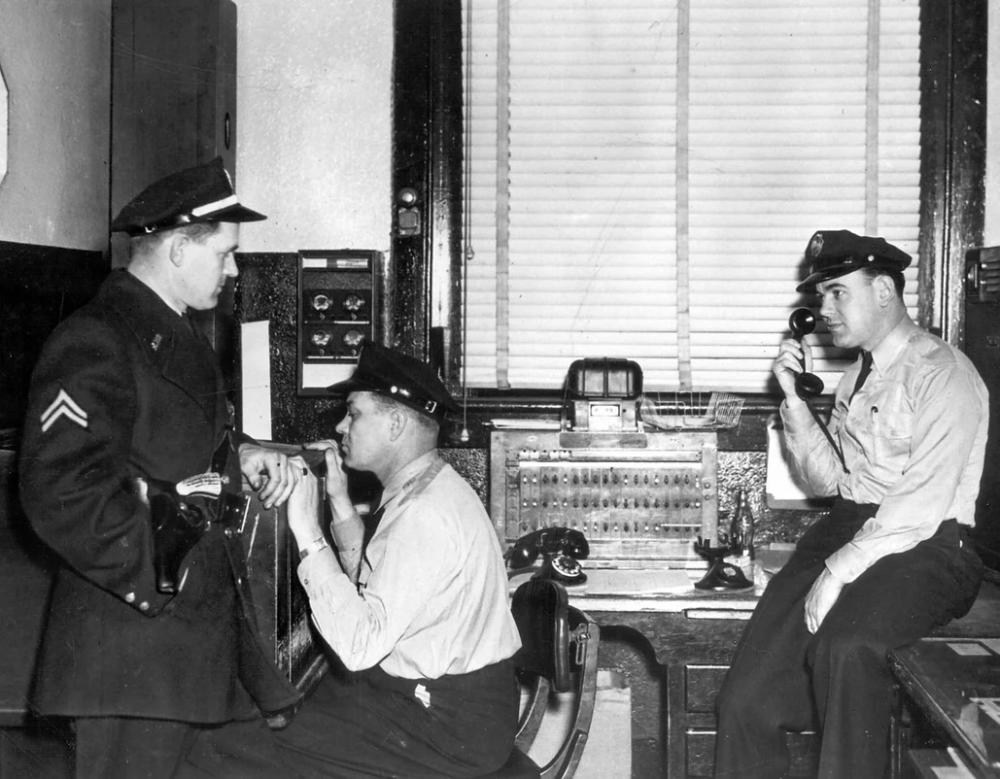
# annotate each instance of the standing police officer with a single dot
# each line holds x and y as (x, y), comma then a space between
(150, 639)
(892, 560)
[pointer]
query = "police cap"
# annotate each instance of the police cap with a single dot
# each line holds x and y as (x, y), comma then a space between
(203, 193)
(833, 253)
(400, 377)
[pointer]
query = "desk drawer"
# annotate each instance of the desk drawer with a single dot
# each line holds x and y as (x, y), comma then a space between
(803, 754)
(699, 753)
(701, 686)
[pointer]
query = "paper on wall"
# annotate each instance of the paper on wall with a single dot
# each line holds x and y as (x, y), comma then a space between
(255, 359)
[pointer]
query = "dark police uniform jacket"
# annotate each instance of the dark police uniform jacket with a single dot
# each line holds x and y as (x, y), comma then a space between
(125, 389)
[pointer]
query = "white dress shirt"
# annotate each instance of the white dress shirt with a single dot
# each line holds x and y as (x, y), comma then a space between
(913, 439)
(432, 592)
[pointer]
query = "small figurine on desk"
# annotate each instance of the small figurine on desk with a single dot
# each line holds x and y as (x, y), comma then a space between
(724, 574)
(562, 548)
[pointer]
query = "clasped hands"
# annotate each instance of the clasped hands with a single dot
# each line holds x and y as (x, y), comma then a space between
(274, 475)
(281, 478)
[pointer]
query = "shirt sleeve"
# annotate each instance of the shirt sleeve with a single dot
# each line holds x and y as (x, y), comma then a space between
(814, 463)
(944, 426)
(348, 536)
(362, 625)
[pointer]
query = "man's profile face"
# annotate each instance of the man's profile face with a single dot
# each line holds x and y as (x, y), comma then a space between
(851, 309)
(207, 263)
(366, 432)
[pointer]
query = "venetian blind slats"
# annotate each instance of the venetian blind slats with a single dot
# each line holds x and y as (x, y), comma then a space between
(647, 184)
(592, 139)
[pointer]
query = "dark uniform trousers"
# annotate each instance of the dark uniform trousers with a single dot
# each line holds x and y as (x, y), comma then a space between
(784, 678)
(138, 748)
(371, 724)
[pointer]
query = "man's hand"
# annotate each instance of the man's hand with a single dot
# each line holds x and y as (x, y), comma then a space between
(822, 595)
(789, 363)
(303, 507)
(269, 472)
(336, 479)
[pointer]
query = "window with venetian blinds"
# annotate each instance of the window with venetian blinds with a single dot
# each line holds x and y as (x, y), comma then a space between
(643, 176)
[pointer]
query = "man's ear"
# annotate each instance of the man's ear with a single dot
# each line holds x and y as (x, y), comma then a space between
(885, 290)
(397, 423)
(177, 244)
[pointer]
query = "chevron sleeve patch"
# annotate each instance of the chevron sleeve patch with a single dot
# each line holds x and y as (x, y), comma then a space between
(63, 406)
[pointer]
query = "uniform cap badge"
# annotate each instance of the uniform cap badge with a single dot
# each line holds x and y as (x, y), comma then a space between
(816, 245)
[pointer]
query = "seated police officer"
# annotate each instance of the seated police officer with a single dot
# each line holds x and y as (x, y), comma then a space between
(150, 640)
(891, 561)
(420, 614)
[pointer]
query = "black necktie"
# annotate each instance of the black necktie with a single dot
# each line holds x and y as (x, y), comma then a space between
(866, 368)
(371, 525)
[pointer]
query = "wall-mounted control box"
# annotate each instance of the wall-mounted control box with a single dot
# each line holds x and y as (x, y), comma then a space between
(338, 310)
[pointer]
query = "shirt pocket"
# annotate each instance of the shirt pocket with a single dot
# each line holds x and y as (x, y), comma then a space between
(891, 436)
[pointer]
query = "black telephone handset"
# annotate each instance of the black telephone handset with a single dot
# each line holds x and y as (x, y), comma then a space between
(801, 323)
(808, 385)
(562, 548)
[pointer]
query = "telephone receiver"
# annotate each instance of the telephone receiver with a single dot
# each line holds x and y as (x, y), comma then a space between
(562, 548)
(802, 322)
(724, 576)
(721, 575)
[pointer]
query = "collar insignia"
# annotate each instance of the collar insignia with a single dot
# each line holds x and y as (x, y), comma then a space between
(155, 343)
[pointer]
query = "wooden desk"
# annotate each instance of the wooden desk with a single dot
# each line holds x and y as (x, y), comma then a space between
(692, 639)
(692, 635)
(950, 698)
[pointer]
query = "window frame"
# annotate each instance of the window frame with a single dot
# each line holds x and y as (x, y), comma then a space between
(424, 270)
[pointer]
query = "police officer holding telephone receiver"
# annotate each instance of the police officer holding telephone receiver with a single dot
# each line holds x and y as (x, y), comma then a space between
(416, 609)
(901, 457)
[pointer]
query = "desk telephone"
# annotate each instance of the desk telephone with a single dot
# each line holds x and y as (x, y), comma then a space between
(562, 548)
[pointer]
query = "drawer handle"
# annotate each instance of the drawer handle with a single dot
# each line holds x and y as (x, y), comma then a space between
(717, 614)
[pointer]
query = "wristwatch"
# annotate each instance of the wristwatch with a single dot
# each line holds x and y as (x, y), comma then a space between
(314, 546)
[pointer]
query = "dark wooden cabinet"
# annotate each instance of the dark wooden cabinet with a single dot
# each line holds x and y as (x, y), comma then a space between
(693, 642)
(693, 645)
(173, 105)
(173, 89)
